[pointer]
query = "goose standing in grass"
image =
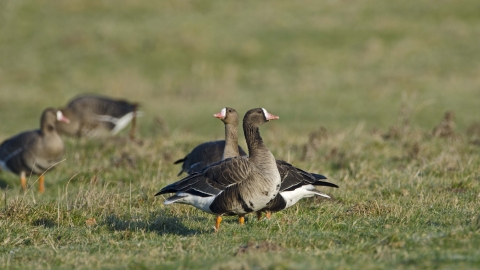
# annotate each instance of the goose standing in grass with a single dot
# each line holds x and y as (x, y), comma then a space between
(296, 183)
(94, 116)
(221, 149)
(210, 152)
(237, 185)
(34, 151)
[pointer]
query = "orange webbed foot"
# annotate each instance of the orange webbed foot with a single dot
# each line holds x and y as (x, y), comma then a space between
(218, 220)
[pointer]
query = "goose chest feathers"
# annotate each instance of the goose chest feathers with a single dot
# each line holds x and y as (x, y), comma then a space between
(236, 185)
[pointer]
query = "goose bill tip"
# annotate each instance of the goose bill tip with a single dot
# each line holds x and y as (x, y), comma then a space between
(221, 114)
(269, 116)
(62, 118)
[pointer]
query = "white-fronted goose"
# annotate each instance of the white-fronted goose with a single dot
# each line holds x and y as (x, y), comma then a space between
(34, 151)
(296, 183)
(210, 152)
(94, 116)
(237, 185)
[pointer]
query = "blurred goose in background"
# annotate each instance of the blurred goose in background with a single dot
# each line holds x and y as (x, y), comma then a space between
(94, 116)
(210, 152)
(34, 151)
(296, 183)
(236, 185)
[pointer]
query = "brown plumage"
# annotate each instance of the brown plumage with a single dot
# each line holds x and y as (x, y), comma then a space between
(210, 152)
(34, 151)
(94, 116)
(237, 185)
(296, 183)
(203, 155)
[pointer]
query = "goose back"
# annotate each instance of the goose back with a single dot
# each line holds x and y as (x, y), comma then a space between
(203, 155)
(94, 115)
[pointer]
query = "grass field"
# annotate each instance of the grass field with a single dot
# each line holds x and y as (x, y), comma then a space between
(358, 85)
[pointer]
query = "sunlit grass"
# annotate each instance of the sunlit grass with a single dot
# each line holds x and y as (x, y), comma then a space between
(359, 87)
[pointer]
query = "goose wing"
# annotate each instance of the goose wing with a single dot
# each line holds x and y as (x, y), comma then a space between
(293, 177)
(12, 150)
(213, 180)
(101, 105)
(228, 172)
(195, 184)
(17, 144)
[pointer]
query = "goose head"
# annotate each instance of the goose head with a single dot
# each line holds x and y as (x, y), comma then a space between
(49, 119)
(258, 116)
(228, 116)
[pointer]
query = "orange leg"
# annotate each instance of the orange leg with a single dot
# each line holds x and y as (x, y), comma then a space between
(41, 186)
(218, 220)
(259, 215)
(268, 214)
(241, 220)
(23, 181)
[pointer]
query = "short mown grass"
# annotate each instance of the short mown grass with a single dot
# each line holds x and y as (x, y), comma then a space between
(359, 88)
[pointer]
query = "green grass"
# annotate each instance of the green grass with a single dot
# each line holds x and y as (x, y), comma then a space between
(358, 86)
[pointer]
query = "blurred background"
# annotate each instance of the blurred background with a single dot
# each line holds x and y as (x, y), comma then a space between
(314, 63)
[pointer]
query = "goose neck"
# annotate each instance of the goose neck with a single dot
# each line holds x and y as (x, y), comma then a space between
(231, 141)
(254, 140)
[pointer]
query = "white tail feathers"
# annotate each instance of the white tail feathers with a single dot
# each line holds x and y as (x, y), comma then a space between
(173, 199)
(120, 123)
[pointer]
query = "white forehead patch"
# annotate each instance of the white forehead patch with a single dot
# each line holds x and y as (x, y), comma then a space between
(59, 115)
(223, 112)
(265, 113)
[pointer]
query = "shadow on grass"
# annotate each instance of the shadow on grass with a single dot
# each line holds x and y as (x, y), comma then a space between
(159, 223)
(3, 184)
(45, 222)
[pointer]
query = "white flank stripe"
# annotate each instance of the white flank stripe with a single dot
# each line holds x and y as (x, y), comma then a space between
(122, 122)
(107, 118)
(4, 166)
(202, 203)
(3, 163)
(292, 197)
